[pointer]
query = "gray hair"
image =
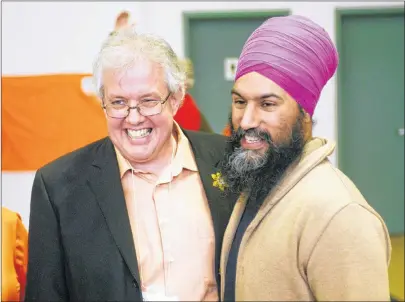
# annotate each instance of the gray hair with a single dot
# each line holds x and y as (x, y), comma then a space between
(121, 50)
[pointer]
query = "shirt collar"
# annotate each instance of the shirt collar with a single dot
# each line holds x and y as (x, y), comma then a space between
(184, 157)
(123, 164)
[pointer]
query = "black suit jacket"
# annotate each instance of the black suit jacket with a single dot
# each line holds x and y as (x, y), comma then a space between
(80, 242)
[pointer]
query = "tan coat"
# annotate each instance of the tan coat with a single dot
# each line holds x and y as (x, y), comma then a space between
(315, 238)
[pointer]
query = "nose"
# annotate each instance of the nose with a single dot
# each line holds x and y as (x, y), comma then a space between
(250, 118)
(134, 117)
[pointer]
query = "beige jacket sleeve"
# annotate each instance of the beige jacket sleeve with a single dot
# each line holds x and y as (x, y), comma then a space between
(350, 260)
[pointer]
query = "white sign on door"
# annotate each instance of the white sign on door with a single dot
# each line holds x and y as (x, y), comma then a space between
(230, 65)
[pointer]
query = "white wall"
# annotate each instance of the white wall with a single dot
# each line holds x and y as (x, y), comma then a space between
(50, 37)
(60, 37)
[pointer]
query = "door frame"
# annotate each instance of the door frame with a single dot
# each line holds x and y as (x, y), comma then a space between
(191, 16)
(340, 13)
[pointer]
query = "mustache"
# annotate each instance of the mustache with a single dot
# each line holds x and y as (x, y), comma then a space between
(237, 135)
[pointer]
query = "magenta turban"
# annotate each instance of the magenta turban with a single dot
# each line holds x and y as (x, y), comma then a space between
(293, 52)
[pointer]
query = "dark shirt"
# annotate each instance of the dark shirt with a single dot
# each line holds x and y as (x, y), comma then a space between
(251, 209)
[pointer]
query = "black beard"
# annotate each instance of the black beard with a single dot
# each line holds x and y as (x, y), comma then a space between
(258, 175)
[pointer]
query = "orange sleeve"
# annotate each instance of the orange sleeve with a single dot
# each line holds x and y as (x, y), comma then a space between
(21, 255)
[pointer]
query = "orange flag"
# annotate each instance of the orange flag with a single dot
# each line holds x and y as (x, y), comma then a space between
(45, 117)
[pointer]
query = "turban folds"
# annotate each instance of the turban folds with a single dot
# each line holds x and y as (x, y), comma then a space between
(295, 53)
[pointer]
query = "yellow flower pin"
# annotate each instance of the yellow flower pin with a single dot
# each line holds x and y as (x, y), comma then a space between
(218, 181)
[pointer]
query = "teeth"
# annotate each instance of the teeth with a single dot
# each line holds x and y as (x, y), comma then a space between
(251, 139)
(139, 133)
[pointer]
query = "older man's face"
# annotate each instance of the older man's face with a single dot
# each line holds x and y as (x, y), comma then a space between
(139, 138)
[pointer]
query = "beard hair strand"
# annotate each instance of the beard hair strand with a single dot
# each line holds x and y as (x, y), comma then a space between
(256, 173)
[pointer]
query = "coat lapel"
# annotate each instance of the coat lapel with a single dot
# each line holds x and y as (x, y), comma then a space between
(106, 185)
(220, 204)
(314, 152)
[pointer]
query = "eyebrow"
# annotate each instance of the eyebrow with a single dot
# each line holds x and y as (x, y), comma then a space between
(153, 94)
(263, 96)
(115, 96)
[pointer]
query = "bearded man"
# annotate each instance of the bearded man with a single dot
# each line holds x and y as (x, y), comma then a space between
(301, 230)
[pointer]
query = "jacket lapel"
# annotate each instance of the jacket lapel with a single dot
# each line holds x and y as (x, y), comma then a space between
(220, 204)
(106, 185)
(313, 154)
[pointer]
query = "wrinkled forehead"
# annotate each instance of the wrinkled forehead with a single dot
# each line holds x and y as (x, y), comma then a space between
(140, 78)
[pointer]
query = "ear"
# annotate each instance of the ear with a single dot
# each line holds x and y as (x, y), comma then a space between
(176, 100)
(307, 118)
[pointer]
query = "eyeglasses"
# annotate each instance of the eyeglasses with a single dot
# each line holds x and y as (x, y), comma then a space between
(120, 109)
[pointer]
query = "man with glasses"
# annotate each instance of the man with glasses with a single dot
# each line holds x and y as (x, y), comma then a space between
(136, 215)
